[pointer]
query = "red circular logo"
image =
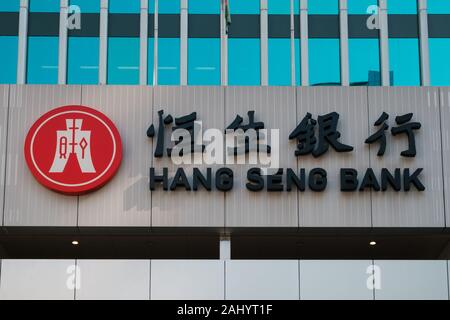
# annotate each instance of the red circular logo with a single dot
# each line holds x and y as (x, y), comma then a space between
(73, 149)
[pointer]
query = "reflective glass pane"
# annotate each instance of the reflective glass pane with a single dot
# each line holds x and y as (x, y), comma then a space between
(298, 63)
(169, 6)
(169, 61)
(204, 6)
(279, 6)
(9, 5)
(439, 6)
(360, 6)
(123, 60)
(439, 62)
(8, 60)
(279, 62)
(83, 57)
(244, 7)
(402, 6)
(323, 6)
(121, 6)
(404, 61)
(44, 5)
(42, 62)
(244, 62)
(364, 60)
(203, 61)
(324, 62)
(87, 6)
(150, 61)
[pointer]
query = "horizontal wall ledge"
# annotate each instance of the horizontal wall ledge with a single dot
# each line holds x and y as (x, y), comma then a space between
(246, 243)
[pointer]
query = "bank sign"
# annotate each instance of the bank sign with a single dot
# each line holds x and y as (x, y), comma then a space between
(76, 149)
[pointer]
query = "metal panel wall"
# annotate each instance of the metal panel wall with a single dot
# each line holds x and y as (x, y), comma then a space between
(412, 280)
(187, 208)
(187, 280)
(275, 106)
(445, 127)
(413, 208)
(113, 280)
(262, 280)
(4, 91)
(335, 280)
(125, 200)
(333, 208)
(37, 280)
(27, 203)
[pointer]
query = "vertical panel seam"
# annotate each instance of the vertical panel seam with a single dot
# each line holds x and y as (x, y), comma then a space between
(442, 155)
(6, 155)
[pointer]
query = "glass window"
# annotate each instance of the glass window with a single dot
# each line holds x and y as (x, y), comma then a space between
(404, 61)
(83, 60)
(323, 6)
(150, 61)
(279, 62)
(438, 6)
(169, 6)
(402, 6)
(244, 62)
(121, 6)
(204, 6)
(324, 62)
(364, 60)
(87, 6)
(8, 59)
(123, 60)
(169, 61)
(439, 61)
(44, 5)
(360, 6)
(203, 61)
(244, 7)
(42, 62)
(279, 6)
(9, 5)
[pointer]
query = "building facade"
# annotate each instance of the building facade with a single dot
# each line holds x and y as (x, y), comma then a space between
(380, 234)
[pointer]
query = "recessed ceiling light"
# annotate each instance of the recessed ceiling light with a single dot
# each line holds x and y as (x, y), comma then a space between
(372, 243)
(75, 242)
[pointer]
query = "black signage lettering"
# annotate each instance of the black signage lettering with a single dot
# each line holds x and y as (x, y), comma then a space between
(395, 181)
(199, 179)
(224, 179)
(158, 179)
(412, 179)
(180, 180)
(274, 182)
(349, 179)
(380, 135)
(407, 128)
(292, 178)
(369, 181)
(317, 179)
(256, 181)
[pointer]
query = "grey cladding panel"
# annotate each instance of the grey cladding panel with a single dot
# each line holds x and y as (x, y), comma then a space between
(445, 123)
(125, 200)
(4, 90)
(275, 106)
(413, 208)
(27, 203)
(182, 208)
(333, 208)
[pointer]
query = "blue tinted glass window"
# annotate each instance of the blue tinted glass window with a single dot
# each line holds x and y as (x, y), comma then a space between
(127, 6)
(439, 6)
(150, 61)
(169, 61)
(402, 6)
(151, 6)
(204, 6)
(296, 6)
(244, 62)
(203, 61)
(279, 62)
(244, 7)
(9, 5)
(364, 60)
(87, 6)
(324, 61)
(8, 59)
(298, 63)
(82, 60)
(439, 62)
(169, 6)
(42, 63)
(360, 6)
(279, 6)
(404, 61)
(123, 60)
(44, 5)
(323, 6)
